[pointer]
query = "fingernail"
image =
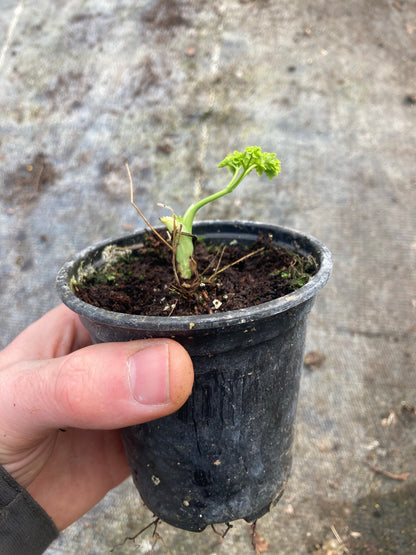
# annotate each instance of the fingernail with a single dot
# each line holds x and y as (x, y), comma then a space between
(149, 375)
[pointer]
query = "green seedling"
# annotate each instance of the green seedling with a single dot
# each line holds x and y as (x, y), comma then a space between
(180, 227)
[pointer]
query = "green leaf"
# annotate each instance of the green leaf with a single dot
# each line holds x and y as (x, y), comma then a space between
(252, 158)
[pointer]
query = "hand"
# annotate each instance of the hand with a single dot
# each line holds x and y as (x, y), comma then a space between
(63, 399)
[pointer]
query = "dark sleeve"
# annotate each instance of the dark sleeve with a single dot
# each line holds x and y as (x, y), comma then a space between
(24, 525)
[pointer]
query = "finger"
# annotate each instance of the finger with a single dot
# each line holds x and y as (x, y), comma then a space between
(57, 333)
(84, 466)
(104, 386)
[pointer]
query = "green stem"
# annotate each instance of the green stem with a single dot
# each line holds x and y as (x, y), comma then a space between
(189, 215)
(184, 244)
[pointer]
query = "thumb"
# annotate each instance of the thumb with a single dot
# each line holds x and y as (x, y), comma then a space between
(103, 386)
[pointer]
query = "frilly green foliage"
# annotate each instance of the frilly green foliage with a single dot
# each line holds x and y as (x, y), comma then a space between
(252, 158)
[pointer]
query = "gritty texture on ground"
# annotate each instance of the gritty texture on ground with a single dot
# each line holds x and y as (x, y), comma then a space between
(172, 86)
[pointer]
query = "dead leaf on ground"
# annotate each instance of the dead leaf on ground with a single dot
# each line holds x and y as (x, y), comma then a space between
(25, 184)
(259, 544)
(401, 477)
(313, 359)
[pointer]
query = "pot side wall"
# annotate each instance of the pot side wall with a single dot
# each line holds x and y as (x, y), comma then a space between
(226, 454)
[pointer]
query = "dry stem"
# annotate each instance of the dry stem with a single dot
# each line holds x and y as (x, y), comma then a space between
(214, 275)
(154, 523)
(401, 477)
(222, 534)
(141, 213)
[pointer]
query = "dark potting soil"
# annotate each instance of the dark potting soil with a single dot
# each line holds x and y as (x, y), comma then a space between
(143, 281)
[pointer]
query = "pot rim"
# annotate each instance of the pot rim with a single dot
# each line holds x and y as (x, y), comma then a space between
(202, 321)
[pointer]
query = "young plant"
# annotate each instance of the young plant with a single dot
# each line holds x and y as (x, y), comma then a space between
(240, 164)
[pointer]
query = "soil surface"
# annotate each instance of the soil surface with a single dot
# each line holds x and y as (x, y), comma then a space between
(229, 278)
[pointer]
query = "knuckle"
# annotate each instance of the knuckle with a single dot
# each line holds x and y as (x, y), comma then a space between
(72, 386)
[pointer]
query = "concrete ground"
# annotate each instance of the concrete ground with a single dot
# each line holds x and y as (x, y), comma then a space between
(173, 86)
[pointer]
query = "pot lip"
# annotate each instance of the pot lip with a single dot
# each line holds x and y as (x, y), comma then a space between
(202, 321)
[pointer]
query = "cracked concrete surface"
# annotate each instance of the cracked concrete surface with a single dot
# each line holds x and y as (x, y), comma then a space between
(172, 86)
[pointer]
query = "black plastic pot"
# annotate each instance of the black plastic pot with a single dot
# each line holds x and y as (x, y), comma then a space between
(226, 454)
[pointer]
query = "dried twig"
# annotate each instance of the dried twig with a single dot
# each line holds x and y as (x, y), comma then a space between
(214, 275)
(219, 259)
(339, 539)
(402, 477)
(222, 534)
(154, 523)
(156, 537)
(260, 545)
(214, 261)
(141, 213)
(36, 187)
(175, 242)
(173, 308)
